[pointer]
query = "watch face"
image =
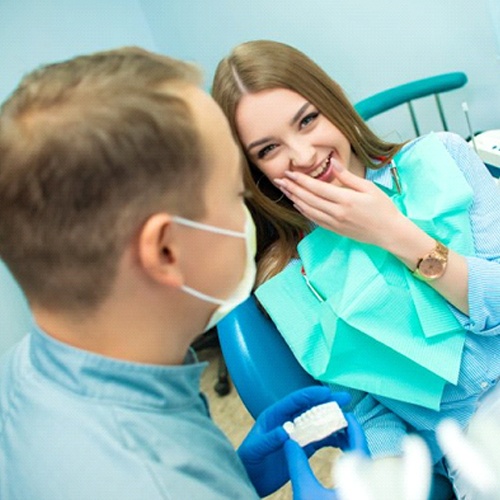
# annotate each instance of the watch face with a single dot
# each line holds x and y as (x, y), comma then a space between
(432, 267)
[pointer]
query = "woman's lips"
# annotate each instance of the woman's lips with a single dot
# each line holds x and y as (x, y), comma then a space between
(324, 172)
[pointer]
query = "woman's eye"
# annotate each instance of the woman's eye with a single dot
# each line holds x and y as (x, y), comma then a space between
(265, 151)
(308, 119)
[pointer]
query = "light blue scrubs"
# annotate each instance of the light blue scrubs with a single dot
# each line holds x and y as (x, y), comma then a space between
(75, 425)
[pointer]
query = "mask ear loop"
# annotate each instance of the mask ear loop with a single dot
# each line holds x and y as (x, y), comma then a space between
(257, 184)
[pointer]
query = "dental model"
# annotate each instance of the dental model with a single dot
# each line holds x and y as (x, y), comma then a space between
(316, 424)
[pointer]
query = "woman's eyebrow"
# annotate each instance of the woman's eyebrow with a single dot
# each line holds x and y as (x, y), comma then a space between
(296, 117)
(258, 143)
(299, 113)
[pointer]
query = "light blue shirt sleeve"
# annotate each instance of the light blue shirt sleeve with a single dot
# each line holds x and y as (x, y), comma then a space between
(484, 267)
(384, 430)
(387, 421)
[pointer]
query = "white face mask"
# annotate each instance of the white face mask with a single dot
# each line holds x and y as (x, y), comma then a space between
(244, 288)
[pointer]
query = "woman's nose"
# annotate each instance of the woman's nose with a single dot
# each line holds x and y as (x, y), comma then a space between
(302, 156)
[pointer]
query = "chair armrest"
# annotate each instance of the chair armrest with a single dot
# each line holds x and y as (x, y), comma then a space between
(388, 99)
(262, 366)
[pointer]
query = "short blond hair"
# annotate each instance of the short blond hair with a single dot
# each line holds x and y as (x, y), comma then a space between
(89, 148)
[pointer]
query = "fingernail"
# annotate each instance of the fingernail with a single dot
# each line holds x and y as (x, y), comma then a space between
(291, 175)
(282, 186)
(337, 165)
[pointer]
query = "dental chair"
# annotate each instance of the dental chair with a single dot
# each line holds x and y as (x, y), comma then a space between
(262, 367)
(210, 340)
(408, 93)
(418, 89)
(260, 363)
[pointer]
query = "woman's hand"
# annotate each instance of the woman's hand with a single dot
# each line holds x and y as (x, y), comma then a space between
(358, 209)
(352, 206)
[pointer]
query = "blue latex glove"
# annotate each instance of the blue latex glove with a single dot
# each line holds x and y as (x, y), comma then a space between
(305, 486)
(351, 438)
(262, 450)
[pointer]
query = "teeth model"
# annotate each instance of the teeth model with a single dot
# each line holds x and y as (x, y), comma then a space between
(316, 424)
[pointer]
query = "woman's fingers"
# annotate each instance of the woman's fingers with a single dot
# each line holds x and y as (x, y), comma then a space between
(355, 211)
(343, 176)
(301, 187)
(324, 206)
(318, 194)
(320, 217)
(316, 209)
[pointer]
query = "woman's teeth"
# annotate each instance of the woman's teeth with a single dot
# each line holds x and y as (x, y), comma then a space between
(322, 168)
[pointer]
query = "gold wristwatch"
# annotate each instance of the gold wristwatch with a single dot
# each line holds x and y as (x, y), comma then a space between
(432, 265)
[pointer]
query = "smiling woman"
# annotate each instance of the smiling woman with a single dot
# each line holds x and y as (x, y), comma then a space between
(257, 71)
(400, 244)
(296, 136)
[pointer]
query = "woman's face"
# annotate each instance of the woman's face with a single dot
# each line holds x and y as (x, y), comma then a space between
(280, 130)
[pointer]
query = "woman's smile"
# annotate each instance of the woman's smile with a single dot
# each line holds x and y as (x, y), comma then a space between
(324, 172)
(284, 132)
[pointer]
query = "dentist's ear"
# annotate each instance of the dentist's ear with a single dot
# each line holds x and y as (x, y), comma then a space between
(158, 251)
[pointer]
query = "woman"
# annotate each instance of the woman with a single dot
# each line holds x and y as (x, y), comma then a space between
(313, 163)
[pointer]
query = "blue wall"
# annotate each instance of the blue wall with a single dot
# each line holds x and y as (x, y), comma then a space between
(33, 32)
(366, 45)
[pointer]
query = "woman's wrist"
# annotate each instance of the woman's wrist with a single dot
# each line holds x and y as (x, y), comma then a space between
(409, 243)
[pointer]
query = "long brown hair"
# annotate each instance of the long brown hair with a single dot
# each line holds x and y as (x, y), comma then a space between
(260, 65)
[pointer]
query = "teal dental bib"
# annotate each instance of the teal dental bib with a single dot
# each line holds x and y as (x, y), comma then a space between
(354, 315)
